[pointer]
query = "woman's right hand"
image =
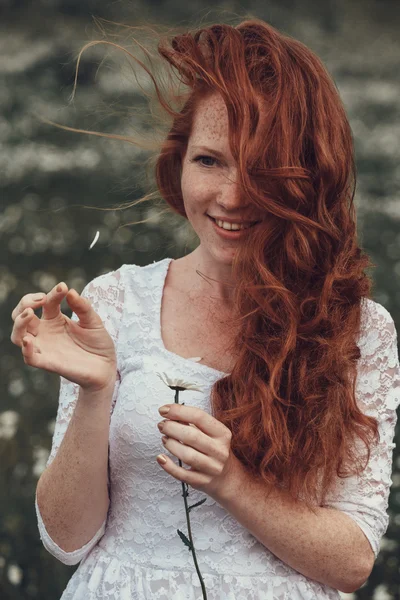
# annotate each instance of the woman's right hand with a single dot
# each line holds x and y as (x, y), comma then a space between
(81, 351)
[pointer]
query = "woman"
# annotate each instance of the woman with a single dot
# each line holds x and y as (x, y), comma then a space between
(298, 365)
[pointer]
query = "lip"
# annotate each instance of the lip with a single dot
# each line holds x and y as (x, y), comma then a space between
(228, 235)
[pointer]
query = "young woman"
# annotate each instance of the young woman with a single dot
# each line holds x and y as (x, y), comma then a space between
(290, 437)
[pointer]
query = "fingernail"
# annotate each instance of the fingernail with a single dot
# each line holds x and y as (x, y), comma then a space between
(59, 288)
(161, 459)
(163, 410)
(37, 297)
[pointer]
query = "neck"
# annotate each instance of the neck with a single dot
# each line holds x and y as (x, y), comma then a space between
(199, 268)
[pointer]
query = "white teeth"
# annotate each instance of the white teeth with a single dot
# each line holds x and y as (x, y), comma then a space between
(231, 226)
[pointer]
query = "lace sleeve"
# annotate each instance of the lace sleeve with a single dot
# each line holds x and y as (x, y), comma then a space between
(106, 294)
(365, 498)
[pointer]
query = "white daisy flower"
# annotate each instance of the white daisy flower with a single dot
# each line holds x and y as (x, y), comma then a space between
(179, 384)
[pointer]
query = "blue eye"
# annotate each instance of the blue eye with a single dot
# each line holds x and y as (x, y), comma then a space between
(199, 158)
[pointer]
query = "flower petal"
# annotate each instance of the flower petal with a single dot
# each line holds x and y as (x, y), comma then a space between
(179, 384)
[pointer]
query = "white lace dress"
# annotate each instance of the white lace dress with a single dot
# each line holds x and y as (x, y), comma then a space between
(137, 553)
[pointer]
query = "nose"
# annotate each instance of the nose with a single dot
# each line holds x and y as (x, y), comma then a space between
(231, 197)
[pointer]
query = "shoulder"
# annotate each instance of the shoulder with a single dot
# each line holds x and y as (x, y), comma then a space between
(105, 286)
(154, 267)
(377, 324)
(128, 281)
(374, 313)
(144, 277)
(118, 277)
(378, 335)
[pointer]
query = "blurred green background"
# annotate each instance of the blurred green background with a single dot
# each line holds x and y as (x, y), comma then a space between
(46, 173)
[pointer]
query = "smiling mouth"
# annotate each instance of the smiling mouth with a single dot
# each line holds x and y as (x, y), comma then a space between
(249, 224)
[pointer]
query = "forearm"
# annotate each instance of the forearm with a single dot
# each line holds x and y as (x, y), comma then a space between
(72, 492)
(327, 546)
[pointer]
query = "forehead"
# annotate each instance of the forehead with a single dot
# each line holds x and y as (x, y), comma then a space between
(211, 126)
(210, 123)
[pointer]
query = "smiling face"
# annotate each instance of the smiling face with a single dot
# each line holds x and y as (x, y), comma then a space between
(208, 181)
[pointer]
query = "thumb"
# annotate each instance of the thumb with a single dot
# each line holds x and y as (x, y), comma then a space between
(83, 309)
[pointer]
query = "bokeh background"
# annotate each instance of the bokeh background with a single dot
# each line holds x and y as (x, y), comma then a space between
(48, 176)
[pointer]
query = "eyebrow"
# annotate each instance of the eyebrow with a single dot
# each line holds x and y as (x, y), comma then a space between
(210, 150)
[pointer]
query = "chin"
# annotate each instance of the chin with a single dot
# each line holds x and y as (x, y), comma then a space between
(224, 255)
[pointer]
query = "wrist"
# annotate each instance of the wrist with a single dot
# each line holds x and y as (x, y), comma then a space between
(105, 385)
(98, 394)
(236, 479)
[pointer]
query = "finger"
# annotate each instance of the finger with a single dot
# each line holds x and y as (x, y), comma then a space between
(33, 301)
(192, 478)
(30, 353)
(83, 309)
(200, 462)
(190, 436)
(24, 323)
(52, 306)
(203, 421)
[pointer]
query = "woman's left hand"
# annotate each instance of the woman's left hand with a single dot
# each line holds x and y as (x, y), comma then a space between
(205, 447)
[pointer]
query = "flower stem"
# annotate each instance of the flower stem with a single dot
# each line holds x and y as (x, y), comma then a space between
(185, 493)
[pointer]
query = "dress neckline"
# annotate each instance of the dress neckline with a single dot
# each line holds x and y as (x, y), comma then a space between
(165, 264)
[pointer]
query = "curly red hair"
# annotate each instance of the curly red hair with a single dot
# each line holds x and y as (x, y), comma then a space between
(290, 399)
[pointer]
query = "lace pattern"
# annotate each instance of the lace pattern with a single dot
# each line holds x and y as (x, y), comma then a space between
(137, 552)
(105, 576)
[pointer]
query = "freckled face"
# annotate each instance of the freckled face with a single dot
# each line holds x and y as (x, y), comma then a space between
(208, 184)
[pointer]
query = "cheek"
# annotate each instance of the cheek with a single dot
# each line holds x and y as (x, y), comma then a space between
(195, 191)
(185, 186)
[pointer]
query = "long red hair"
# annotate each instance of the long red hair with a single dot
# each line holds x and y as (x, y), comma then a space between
(290, 399)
